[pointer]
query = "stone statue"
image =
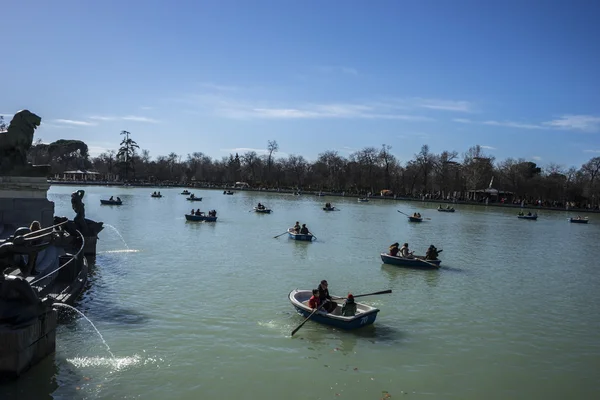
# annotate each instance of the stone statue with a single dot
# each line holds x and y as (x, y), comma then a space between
(16, 141)
(86, 226)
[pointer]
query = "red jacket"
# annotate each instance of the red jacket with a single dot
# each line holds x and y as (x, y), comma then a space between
(314, 302)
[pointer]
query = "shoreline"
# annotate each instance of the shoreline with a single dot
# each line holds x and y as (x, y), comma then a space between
(324, 194)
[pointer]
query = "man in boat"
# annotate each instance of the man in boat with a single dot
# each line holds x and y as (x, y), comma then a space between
(199, 213)
(111, 198)
(192, 212)
(394, 249)
(297, 227)
(349, 307)
(529, 214)
(118, 199)
(325, 297)
(304, 230)
(404, 252)
(432, 253)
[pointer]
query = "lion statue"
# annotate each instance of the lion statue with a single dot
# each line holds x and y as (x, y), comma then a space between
(17, 140)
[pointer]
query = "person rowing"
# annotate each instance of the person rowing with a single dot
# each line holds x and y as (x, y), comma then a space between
(404, 252)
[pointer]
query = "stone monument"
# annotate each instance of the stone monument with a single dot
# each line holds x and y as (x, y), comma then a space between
(88, 228)
(23, 187)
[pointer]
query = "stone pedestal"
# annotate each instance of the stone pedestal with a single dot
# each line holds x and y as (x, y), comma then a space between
(24, 199)
(22, 348)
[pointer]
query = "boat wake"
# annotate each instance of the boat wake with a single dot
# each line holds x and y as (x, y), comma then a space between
(115, 364)
(119, 251)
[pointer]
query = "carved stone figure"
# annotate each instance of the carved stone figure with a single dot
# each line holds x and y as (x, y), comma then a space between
(85, 226)
(16, 141)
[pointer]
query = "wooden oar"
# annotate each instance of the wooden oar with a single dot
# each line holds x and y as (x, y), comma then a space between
(412, 216)
(313, 235)
(426, 262)
(368, 294)
(275, 237)
(307, 318)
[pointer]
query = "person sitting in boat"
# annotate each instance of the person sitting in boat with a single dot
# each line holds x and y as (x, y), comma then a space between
(111, 198)
(192, 212)
(448, 208)
(418, 215)
(314, 302)
(404, 252)
(213, 213)
(325, 297)
(394, 249)
(260, 206)
(297, 227)
(118, 199)
(432, 253)
(529, 214)
(349, 307)
(304, 230)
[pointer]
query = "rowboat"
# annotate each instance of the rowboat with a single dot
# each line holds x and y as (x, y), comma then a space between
(363, 200)
(190, 217)
(262, 210)
(416, 262)
(365, 315)
(185, 192)
(579, 220)
(446, 209)
(530, 217)
(415, 219)
(329, 208)
(156, 195)
(194, 198)
(111, 202)
(228, 192)
(299, 236)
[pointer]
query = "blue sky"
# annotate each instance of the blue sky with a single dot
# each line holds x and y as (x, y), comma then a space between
(520, 78)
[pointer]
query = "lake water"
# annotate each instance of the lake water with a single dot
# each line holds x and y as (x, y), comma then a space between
(200, 310)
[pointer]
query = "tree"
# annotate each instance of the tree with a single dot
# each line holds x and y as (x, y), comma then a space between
(272, 147)
(126, 153)
(3, 125)
(68, 154)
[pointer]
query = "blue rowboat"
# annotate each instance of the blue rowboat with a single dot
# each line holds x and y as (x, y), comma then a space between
(415, 219)
(530, 217)
(110, 202)
(365, 315)
(579, 220)
(206, 218)
(262, 210)
(364, 200)
(416, 262)
(329, 208)
(446, 209)
(194, 198)
(300, 236)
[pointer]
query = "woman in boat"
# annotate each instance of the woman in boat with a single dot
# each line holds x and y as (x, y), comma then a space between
(111, 198)
(304, 230)
(118, 199)
(297, 227)
(325, 297)
(394, 249)
(192, 212)
(314, 302)
(404, 252)
(349, 307)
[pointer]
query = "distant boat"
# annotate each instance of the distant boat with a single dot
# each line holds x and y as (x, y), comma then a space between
(185, 192)
(416, 262)
(365, 314)
(415, 219)
(156, 195)
(363, 200)
(194, 198)
(190, 217)
(530, 217)
(111, 202)
(446, 209)
(579, 220)
(299, 236)
(262, 210)
(320, 194)
(229, 192)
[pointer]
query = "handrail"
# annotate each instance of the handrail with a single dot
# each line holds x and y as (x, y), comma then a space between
(65, 264)
(39, 231)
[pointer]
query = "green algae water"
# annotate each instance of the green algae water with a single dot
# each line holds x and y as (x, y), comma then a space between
(200, 310)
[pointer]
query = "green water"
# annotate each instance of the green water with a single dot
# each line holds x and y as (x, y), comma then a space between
(200, 310)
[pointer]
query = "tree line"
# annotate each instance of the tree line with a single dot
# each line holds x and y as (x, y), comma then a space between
(447, 175)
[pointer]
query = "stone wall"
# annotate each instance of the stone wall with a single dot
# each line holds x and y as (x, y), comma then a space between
(23, 200)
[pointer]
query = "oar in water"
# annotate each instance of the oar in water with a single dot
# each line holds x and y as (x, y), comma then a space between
(368, 294)
(307, 318)
(275, 237)
(412, 216)
(426, 262)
